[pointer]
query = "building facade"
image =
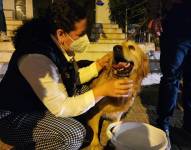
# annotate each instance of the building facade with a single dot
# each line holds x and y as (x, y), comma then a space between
(25, 9)
(18, 9)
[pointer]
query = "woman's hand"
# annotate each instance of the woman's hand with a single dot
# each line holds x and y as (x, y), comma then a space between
(155, 26)
(114, 88)
(104, 61)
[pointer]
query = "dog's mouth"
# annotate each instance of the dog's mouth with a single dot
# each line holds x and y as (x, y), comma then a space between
(121, 67)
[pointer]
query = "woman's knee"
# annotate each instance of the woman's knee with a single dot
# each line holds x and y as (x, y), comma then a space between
(73, 135)
(67, 131)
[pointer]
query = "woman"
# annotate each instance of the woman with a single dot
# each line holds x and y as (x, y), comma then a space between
(40, 90)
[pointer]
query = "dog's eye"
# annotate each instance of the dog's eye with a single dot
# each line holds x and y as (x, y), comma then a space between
(131, 47)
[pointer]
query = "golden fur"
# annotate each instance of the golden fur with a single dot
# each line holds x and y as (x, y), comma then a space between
(114, 108)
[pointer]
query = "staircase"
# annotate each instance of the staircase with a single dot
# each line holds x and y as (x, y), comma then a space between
(111, 34)
(12, 25)
(6, 48)
(95, 50)
(108, 35)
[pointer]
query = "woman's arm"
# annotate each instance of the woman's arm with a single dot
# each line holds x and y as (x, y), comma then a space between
(44, 78)
(87, 73)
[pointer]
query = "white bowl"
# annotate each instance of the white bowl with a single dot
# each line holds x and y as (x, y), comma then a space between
(136, 136)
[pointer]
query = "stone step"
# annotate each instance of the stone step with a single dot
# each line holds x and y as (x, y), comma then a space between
(112, 36)
(110, 41)
(3, 68)
(6, 47)
(95, 51)
(14, 22)
(10, 33)
(110, 26)
(95, 47)
(6, 50)
(9, 14)
(12, 27)
(5, 57)
(112, 30)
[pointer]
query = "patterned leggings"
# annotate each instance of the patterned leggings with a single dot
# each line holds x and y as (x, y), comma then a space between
(42, 131)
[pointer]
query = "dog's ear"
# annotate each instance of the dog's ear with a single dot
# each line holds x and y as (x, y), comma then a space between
(145, 65)
(108, 69)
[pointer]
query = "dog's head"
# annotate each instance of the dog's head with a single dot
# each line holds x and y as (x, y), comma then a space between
(129, 59)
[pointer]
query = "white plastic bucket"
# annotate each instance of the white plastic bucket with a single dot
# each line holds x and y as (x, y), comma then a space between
(136, 136)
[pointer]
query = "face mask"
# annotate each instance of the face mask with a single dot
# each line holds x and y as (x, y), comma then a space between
(81, 44)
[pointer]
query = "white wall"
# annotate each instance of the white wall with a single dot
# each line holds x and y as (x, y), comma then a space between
(9, 5)
(29, 9)
(103, 12)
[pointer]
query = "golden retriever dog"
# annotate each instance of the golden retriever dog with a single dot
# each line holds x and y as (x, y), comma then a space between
(129, 61)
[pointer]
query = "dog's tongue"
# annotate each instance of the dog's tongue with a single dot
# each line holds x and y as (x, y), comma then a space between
(121, 65)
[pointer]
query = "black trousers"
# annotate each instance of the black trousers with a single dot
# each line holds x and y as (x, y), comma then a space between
(175, 62)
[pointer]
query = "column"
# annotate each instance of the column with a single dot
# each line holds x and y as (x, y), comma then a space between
(103, 12)
(9, 8)
(29, 9)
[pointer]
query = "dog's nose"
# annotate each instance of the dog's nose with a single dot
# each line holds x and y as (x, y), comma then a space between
(118, 53)
(117, 48)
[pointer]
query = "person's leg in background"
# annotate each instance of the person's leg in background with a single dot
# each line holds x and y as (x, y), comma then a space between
(172, 58)
(3, 28)
(187, 91)
(43, 131)
(174, 50)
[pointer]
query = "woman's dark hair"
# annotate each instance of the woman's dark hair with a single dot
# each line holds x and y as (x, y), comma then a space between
(62, 14)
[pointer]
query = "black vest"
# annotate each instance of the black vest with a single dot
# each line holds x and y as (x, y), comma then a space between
(16, 93)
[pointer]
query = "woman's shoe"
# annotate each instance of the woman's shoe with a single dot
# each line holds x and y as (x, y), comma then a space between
(168, 139)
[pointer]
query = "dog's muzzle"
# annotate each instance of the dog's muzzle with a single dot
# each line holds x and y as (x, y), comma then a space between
(121, 67)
